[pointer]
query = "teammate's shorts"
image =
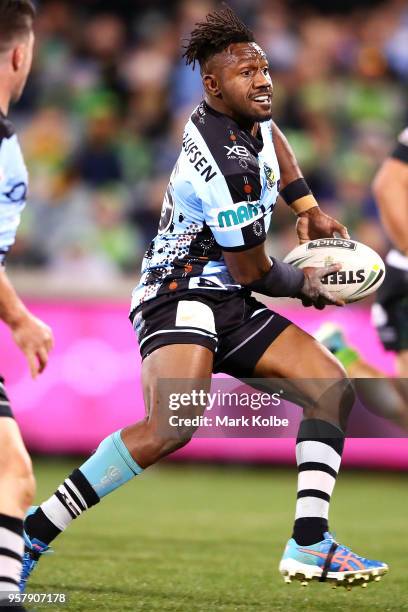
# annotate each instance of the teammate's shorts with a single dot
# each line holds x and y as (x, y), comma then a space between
(390, 312)
(5, 408)
(234, 325)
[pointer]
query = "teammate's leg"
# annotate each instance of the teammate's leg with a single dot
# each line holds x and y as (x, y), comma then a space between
(126, 453)
(384, 397)
(327, 398)
(16, 493)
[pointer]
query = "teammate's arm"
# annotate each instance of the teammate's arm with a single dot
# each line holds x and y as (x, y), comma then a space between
(312, 222)
(31, 335)
(390, 188)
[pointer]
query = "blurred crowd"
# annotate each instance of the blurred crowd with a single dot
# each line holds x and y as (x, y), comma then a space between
(102, 116)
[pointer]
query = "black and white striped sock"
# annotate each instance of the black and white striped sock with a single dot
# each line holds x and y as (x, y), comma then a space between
(319, 448)
(11, 553)
(73, 497)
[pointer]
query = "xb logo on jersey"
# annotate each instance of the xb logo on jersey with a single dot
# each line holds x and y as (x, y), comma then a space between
(243, 213)
(236, 151)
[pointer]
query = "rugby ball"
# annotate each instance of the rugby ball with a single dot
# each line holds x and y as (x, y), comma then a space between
(362, 269)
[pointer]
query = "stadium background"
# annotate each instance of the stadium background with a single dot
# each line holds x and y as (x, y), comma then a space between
(100, 125)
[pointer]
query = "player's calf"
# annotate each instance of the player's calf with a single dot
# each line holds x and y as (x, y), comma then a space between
(150, 441)
(333, 401)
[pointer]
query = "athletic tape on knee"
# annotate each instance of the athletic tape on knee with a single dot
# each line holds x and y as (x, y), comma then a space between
(111, 466)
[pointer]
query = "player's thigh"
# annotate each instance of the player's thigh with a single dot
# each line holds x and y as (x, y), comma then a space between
(309, 374)
(296, 354)
(14, 458)
(174, 373)
(402, 363)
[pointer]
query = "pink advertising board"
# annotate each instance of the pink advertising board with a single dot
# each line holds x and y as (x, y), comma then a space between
(92, 386)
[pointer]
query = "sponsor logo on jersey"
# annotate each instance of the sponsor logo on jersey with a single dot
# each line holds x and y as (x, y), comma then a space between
(345, 277)
(332, 242)
(243, 213)
(195, 157)
(237, 151)
(270, 176)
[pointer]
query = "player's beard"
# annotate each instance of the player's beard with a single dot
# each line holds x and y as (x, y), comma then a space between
(253, 117)
(251, 114)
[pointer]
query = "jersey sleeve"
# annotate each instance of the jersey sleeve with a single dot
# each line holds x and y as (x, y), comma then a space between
(13, 188)
(231, 192)
(232, 211)
(401, 150)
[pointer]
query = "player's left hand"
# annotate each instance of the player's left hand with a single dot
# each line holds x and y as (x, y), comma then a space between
(314, 223)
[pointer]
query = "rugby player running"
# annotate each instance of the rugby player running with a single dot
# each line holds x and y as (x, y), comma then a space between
(194, 314)
(31, 335)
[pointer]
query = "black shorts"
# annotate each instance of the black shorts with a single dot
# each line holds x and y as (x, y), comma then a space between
(5, 408)
(234, 325)
(390, 312)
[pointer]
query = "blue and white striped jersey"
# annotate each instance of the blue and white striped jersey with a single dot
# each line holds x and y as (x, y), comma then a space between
(220, 197)
(13, 185)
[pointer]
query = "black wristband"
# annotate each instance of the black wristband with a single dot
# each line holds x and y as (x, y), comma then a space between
(295, 190)
(281, 280)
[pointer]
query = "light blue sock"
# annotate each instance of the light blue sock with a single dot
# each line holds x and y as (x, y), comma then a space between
(111, 466)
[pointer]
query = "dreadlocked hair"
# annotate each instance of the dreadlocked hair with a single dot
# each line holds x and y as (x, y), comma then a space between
(219, 30)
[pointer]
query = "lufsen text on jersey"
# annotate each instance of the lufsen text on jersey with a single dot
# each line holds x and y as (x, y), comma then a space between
(198, 160)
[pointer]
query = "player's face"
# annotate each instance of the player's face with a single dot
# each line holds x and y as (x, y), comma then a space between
(22, 61)
(245, 83)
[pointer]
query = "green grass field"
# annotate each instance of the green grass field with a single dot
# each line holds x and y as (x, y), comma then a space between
(192, 538)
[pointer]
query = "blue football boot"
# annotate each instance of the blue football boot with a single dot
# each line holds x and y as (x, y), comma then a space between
(32, 552)
(328, 561)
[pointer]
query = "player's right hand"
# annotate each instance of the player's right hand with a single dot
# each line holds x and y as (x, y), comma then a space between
(313, 292)
(35, 339)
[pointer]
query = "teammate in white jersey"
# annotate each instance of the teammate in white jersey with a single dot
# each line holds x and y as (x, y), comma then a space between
(31, 335)
(194, 314)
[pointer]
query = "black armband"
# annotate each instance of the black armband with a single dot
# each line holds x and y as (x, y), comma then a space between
(281, 280)
(295, 190)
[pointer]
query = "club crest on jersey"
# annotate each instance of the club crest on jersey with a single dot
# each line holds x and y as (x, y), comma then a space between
(270, 176)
